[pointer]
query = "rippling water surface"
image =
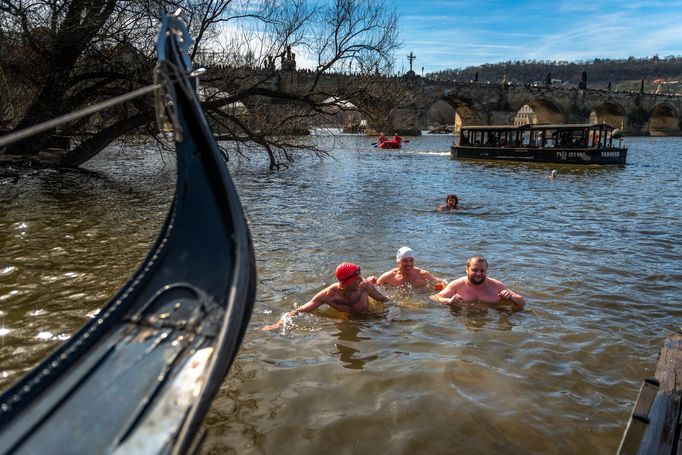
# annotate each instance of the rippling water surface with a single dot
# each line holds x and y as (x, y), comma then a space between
(595, 251)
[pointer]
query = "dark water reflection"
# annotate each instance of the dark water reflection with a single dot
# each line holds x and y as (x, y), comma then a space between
(596, 251)
(349, 334)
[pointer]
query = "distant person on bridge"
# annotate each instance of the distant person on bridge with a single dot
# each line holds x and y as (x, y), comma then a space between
(476, 286)
(450, 205)
(350, 295)
(407, 274)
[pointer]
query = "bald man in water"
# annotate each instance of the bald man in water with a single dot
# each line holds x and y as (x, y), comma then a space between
(476, 286)
(350, 295)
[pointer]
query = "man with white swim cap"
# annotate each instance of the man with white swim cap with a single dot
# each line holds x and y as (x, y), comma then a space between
(350, 295)
(476, 286)
(407, 274)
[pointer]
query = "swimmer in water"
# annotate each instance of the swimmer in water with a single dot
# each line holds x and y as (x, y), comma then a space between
(407, 274)
(451, 202)
(350, 295)
(476, 286)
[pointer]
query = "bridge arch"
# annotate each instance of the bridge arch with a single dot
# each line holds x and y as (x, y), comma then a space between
(343, 113)
(545, 110)
(467, 113)
(611, 113)
(664, 120)
(440, 113)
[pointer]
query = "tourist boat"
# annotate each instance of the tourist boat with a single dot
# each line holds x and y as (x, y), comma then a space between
(139, 377)
(570, 143)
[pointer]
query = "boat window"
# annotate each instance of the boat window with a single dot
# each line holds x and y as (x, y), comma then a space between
(578, 138)
(525, 138)
(594, 138)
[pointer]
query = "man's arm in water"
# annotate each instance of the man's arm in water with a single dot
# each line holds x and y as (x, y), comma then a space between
(507, 294)
(438, 283)
(373, 292)
(319, 299)
(449, 295)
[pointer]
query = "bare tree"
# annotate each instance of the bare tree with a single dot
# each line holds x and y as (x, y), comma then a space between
(70, 53)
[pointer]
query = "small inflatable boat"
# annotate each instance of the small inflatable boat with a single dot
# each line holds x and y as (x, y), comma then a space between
(390, 145)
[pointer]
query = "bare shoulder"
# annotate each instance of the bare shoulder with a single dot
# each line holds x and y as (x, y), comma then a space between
(390, 272)
(388, 277)
(424, 273)
(368, 288)
(497, 284)
(327, 292)
(458, 282)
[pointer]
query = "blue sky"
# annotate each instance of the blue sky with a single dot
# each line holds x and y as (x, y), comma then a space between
(455, 34)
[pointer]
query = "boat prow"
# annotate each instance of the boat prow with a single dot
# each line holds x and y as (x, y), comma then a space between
(140, 376)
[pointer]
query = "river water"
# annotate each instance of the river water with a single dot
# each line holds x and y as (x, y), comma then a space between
(595, 251)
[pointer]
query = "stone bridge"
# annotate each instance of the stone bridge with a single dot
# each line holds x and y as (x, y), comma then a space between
(422, 100)
(487, 104)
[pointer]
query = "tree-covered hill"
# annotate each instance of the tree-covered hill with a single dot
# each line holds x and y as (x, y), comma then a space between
(663, 74)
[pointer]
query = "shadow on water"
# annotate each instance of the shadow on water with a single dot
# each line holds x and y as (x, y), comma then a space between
(349, 332)
(479, 316)
(508, 167)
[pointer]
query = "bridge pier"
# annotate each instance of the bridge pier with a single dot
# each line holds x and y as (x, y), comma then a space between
(502, 117)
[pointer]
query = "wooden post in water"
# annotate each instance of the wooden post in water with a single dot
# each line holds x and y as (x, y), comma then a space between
(654, 426)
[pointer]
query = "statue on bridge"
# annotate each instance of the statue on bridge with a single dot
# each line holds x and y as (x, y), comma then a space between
(288, 60)
(583, 81)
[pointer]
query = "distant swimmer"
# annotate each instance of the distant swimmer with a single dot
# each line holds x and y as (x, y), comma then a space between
(551, 174)
(407, 273)
(451, 202)
(477, 287)
(350, 295)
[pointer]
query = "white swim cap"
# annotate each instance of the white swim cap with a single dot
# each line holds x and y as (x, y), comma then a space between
(404, 252)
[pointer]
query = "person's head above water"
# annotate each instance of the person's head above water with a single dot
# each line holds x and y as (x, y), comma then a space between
(347, 273)
(405, 259)
(404, 252)
(451, 200)
(477, 269)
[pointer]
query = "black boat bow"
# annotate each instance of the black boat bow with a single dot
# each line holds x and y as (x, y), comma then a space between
(140, 376)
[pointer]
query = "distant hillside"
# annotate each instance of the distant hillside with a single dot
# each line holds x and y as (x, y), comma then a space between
(662, 74)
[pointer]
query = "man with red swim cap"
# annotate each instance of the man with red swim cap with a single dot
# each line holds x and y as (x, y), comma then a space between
(350, 295)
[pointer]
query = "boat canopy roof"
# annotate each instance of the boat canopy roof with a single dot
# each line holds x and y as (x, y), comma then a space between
(573, 126)
(494, 127)
(565, 126)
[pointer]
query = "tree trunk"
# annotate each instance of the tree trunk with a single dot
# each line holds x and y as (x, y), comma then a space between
(82, 22)
(91, 147)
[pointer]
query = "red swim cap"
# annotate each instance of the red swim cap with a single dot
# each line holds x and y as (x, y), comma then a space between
(346, 271)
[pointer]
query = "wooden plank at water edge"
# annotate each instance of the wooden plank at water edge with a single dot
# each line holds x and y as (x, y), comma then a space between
(661, 421)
